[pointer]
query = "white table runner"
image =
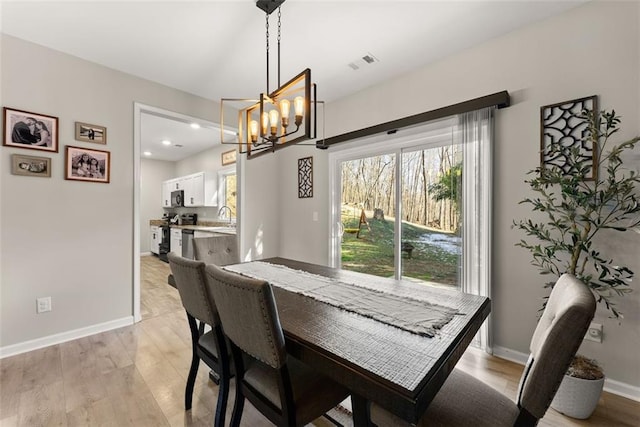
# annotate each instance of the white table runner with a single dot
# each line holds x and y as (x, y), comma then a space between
(411, 314)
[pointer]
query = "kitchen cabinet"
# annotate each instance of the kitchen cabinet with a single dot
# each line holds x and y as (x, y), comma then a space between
(166, 193)
(176, 241)
(155, 236)
(200, 189)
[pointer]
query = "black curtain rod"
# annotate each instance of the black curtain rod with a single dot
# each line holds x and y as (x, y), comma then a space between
(498, 99)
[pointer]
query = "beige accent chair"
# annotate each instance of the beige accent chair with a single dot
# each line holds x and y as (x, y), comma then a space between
(282, 388)
(466, 401)
(221, 249)
(210, 347)
(218, 250)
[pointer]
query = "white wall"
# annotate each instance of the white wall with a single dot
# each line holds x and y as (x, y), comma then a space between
(71, 240)
(152, 174)
(592, 49)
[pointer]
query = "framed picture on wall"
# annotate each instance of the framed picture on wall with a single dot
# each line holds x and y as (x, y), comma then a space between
(31, 166)
(91, 133)
(34, 131)
(229, 157)
(84, 164)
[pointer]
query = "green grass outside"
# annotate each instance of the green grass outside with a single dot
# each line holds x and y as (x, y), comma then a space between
(372, 253)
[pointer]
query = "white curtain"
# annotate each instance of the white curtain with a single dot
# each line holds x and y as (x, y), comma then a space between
(475, 129)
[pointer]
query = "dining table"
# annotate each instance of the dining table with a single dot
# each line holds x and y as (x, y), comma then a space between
(390, 342)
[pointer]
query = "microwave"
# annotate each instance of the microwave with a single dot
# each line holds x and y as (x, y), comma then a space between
(177, 198)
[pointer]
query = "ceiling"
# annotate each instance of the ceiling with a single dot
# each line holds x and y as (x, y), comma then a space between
(216, 49)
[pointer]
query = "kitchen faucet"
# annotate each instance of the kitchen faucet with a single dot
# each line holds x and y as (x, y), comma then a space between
(222, 209)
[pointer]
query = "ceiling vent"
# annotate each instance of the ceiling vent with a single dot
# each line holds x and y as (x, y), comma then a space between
(363, 61)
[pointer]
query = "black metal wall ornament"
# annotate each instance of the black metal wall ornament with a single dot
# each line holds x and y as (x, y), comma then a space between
(305, 177)
(563, 123)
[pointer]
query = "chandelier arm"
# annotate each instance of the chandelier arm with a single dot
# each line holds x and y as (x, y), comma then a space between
(274, 139)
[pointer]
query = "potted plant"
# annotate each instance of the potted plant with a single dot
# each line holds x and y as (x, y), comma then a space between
(580, 390)
(575, 206)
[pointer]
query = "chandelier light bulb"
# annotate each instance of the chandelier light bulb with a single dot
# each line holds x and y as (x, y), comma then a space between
(298, 106)
(265, 123)
(273, 120)
(253, 130)
(285, 106)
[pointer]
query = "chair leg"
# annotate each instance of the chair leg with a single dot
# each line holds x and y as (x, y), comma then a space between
(195, 363)
(223, 397)
(238, 407)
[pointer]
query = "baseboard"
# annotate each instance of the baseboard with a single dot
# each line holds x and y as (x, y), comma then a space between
(23, 347)
(145, 254)
(612, 386)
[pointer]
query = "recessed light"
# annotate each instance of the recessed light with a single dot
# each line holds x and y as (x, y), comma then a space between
(147, 153)
(195, 125)
(166, 142)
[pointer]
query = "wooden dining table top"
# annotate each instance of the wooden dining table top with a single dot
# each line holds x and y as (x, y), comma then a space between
(399, 370)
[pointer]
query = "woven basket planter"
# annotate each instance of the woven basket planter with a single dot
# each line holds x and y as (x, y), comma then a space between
(577, 397)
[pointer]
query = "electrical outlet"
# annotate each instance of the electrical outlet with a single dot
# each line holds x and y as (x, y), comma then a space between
(594, 333)
(43, 305)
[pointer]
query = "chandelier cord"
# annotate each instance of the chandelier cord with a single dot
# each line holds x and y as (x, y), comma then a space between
(267, 27)
(279, 28)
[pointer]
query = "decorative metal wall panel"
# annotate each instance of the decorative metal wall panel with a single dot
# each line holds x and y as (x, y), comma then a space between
(305, 177)
(562, 124)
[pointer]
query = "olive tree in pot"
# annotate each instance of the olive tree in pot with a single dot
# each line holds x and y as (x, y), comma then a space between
(575, 208)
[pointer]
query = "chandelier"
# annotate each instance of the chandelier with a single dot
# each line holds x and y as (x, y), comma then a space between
(267, 122)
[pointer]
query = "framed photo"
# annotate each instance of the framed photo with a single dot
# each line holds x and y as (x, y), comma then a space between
(31, 166)
(91, 133)
(83, 164)
(23, 129)
(229, 157)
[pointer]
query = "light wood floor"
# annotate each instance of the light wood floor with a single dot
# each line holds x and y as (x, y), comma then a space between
(135, 376)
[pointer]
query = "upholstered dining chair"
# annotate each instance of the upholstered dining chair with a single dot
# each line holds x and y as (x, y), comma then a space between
(218, 250)
(466, 401)
(282, 388)
(210, 347)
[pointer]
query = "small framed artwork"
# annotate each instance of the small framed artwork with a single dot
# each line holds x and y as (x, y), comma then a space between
(229, 157)
(23, 129)
(562, 127)
(83, 164)
(31, 166)
(305, 177)
(91, 133)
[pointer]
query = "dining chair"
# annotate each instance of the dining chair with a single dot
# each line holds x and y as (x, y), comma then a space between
(466, 401)
(218, 250)
(210, 347)
(282, 388)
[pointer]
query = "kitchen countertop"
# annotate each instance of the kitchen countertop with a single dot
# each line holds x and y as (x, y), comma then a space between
(206, 226)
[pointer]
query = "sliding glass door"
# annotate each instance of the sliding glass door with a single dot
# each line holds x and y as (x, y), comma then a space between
(414, 193)
(367, 214)
(416, 205)
(431, 242)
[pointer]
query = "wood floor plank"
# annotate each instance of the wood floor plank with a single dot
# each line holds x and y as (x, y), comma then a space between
(41, 367)
(11, 376)
(110, 352)
(43, 406)
(97, 413)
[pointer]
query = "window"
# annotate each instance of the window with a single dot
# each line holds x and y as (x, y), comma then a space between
(227, 194)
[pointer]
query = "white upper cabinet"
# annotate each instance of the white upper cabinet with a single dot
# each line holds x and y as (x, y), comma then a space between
(200, 189)
(167, 188)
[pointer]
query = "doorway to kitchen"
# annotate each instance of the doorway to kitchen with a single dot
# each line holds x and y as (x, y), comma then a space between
(170, 146)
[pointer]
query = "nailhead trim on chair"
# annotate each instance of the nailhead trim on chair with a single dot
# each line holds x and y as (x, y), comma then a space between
(265, 318)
